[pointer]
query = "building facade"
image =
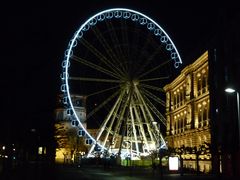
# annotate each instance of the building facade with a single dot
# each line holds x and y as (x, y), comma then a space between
(188, 117)
(68, 143)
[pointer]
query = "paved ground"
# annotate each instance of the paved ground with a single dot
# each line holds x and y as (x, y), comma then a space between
(99, 173)
(45, 172)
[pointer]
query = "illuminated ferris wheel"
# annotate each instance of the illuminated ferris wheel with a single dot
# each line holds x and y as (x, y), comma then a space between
(120, 59)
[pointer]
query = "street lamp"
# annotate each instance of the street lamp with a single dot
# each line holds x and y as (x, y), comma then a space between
(231, 90)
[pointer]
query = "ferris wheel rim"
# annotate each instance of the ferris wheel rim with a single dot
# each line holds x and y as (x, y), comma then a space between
(71, 46)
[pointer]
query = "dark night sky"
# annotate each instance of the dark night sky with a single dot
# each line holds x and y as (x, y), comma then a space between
(33, 40)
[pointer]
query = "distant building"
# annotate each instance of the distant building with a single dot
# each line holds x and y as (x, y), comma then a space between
(79, 103)
(187, 113)
(69, 144)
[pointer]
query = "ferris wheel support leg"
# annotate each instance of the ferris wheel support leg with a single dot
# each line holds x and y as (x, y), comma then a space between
(119, 122)
(128, 103)
(134, 130)
(111, 124)
(141, 128)
(147, 121)
(148, 111)
(102, 128)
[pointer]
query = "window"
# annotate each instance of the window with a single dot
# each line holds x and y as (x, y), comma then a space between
(205, 83)
(199, 86)
(79, 103)
(200, 115)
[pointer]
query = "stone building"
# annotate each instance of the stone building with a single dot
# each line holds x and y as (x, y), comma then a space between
(187, 113)
(68, 143)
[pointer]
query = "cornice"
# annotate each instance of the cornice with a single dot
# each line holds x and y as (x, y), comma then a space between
(187, 70)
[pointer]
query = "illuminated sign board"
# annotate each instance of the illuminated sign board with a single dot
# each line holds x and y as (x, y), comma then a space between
(173, 163)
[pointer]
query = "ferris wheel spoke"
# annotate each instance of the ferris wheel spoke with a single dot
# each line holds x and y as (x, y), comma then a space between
(94, 79)
(143, 102)
(155, 111)
(152, 87)
(102, 104)
(110, 127)
(134, 129)
(121, 116)
(148, 60)
(147, 114)
(109, 50)
(125, 116)
(155, 68)
(94, 66)
(101, 57)
(102, 128)
(148, 122)
(142, 131)
(153, 97)
(141, 57)
(154, 79)
(116, 43)
(135, 51)
(125, 38)
(106, 137)
(102, 91)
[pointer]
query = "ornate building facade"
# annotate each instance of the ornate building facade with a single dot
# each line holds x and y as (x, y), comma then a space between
(187, 113)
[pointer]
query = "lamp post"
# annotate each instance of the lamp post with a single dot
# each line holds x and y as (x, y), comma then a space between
(236, 159)
(231, 90)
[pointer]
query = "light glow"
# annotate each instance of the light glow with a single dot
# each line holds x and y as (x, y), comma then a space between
(229, 90)
(173, 163)
(40, 150)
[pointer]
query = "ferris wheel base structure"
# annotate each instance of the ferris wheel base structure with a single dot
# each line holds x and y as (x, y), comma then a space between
(122, 58)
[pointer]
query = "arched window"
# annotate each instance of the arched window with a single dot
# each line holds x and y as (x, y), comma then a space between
(179, 125)
(199, 83)
(185, 120)
(200, 116)
(199, 140)
(190, 140)
(205, 115)
(175, 126)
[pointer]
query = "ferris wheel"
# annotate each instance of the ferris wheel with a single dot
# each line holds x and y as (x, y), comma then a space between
(120, 59)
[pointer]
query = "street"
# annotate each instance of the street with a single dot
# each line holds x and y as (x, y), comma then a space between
(67, 172)
(119, 173)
